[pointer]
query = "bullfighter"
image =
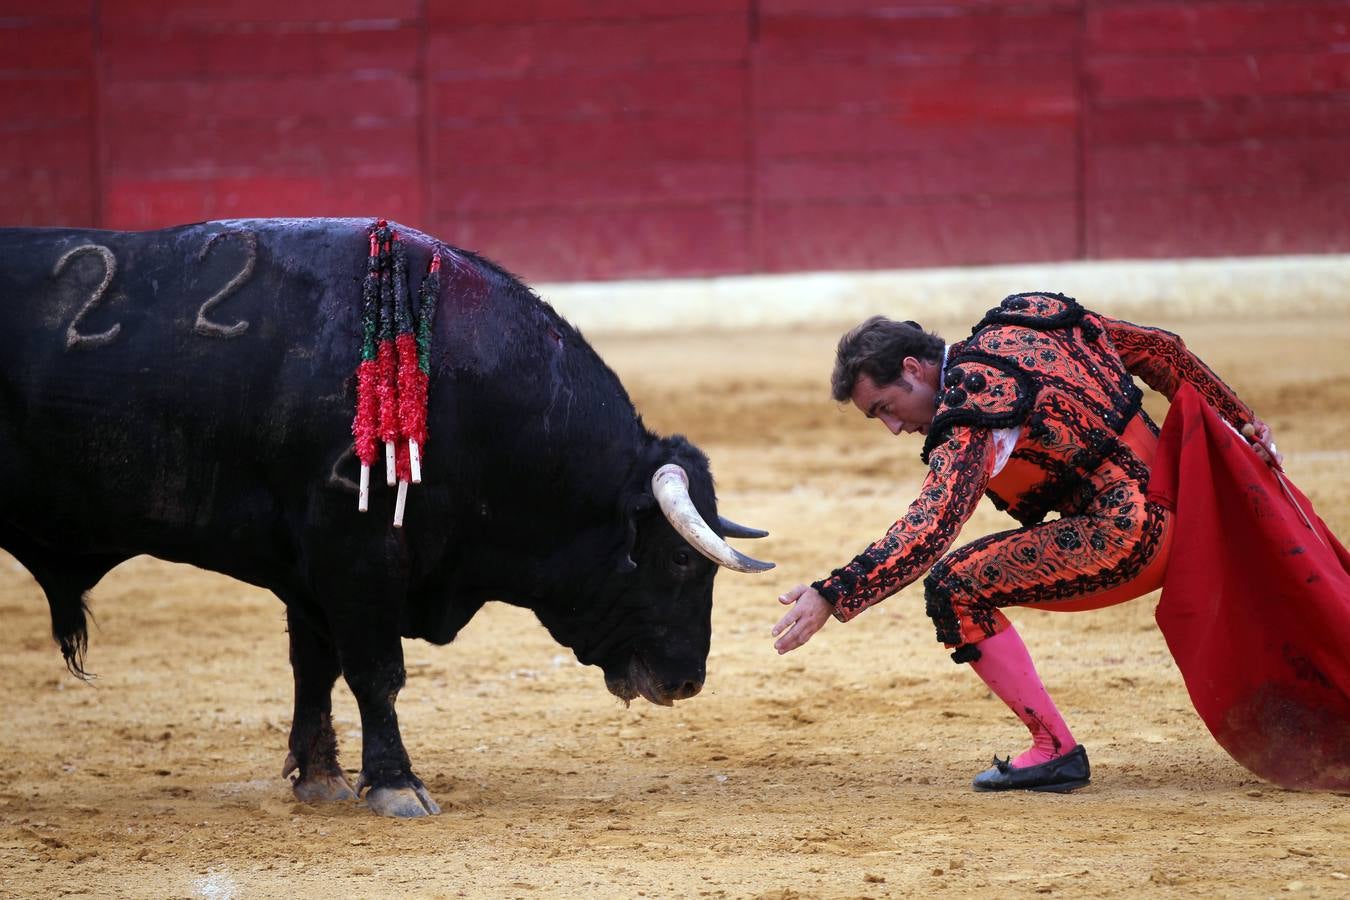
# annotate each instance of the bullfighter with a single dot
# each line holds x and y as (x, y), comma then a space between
(1037, 409)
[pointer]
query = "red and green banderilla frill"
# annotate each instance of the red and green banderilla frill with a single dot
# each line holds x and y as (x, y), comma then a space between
(364, 428)
(393, 374)
(414, 373)
(386, 385)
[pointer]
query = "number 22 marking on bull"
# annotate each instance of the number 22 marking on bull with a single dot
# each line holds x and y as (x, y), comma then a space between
(204, 325)
(73, 337)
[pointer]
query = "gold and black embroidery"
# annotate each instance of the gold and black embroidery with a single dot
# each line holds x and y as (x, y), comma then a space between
(1069, 387)
(958, 471)
(1108, 545)
(979, 390)
(1062, 374)
(1161, 359)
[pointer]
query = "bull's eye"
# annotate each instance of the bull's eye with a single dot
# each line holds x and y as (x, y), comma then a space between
(683, 564)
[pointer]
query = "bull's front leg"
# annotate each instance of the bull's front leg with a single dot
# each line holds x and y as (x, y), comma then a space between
(372, 663)
(313, 753)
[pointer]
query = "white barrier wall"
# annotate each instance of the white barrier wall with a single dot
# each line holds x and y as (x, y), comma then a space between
(1169, 290)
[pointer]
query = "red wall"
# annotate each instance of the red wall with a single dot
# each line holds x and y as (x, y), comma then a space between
(1217, 128)
(613, 138)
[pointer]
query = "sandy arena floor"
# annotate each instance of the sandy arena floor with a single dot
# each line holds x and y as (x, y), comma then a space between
(841, 770)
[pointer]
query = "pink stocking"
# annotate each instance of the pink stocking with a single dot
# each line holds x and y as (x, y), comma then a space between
(1006, 667)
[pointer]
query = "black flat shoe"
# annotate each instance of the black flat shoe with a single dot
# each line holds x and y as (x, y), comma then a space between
(1059, 775)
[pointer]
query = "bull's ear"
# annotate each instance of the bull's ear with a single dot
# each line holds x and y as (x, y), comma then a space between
(633, 507)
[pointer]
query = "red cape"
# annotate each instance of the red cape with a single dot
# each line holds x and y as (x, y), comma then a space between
(1255, 606)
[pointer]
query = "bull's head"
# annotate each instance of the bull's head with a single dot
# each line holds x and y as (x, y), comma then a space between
(634, 595)
(659, 622)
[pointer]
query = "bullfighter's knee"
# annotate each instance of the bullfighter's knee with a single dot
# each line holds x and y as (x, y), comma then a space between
(960, 617)
(938, 590)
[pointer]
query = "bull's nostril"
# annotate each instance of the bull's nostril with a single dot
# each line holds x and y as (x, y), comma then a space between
(689, 689)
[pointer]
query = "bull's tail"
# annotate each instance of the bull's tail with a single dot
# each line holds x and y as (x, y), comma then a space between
(66, 581)
(70, 628)
(67, 589)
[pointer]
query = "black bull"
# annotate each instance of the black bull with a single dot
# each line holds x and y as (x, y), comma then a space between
(189, 394)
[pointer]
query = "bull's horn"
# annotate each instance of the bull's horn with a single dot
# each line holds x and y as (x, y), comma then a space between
(670, 484)
(732, 529)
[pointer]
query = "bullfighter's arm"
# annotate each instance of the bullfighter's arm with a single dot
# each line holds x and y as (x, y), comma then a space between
(958, 470)
(1162, 360)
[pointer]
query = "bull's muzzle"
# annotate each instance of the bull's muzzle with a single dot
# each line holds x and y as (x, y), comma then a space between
(639, 681)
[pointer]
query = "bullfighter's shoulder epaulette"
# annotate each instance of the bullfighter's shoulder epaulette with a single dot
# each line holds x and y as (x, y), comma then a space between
(979, 389)
(1040, 310)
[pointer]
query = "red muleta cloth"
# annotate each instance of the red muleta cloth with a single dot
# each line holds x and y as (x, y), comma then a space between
(1255, 608)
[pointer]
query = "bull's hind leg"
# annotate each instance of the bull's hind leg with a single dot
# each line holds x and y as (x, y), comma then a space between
(313, 744)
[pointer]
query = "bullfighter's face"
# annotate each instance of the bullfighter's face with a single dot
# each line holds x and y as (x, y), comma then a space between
(905, 406)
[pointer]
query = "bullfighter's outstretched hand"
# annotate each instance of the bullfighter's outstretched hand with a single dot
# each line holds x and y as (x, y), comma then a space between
(809, 613)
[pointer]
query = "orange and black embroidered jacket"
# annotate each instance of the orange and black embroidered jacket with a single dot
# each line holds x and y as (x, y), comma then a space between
(1061, 375)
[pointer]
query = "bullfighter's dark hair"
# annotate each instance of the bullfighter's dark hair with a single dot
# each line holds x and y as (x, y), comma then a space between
(877, 348)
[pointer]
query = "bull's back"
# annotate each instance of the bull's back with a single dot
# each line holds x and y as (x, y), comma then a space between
(150, 375)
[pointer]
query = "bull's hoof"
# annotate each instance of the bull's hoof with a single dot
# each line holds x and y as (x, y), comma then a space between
(317, 787)
(323, 789)
(402, 803)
